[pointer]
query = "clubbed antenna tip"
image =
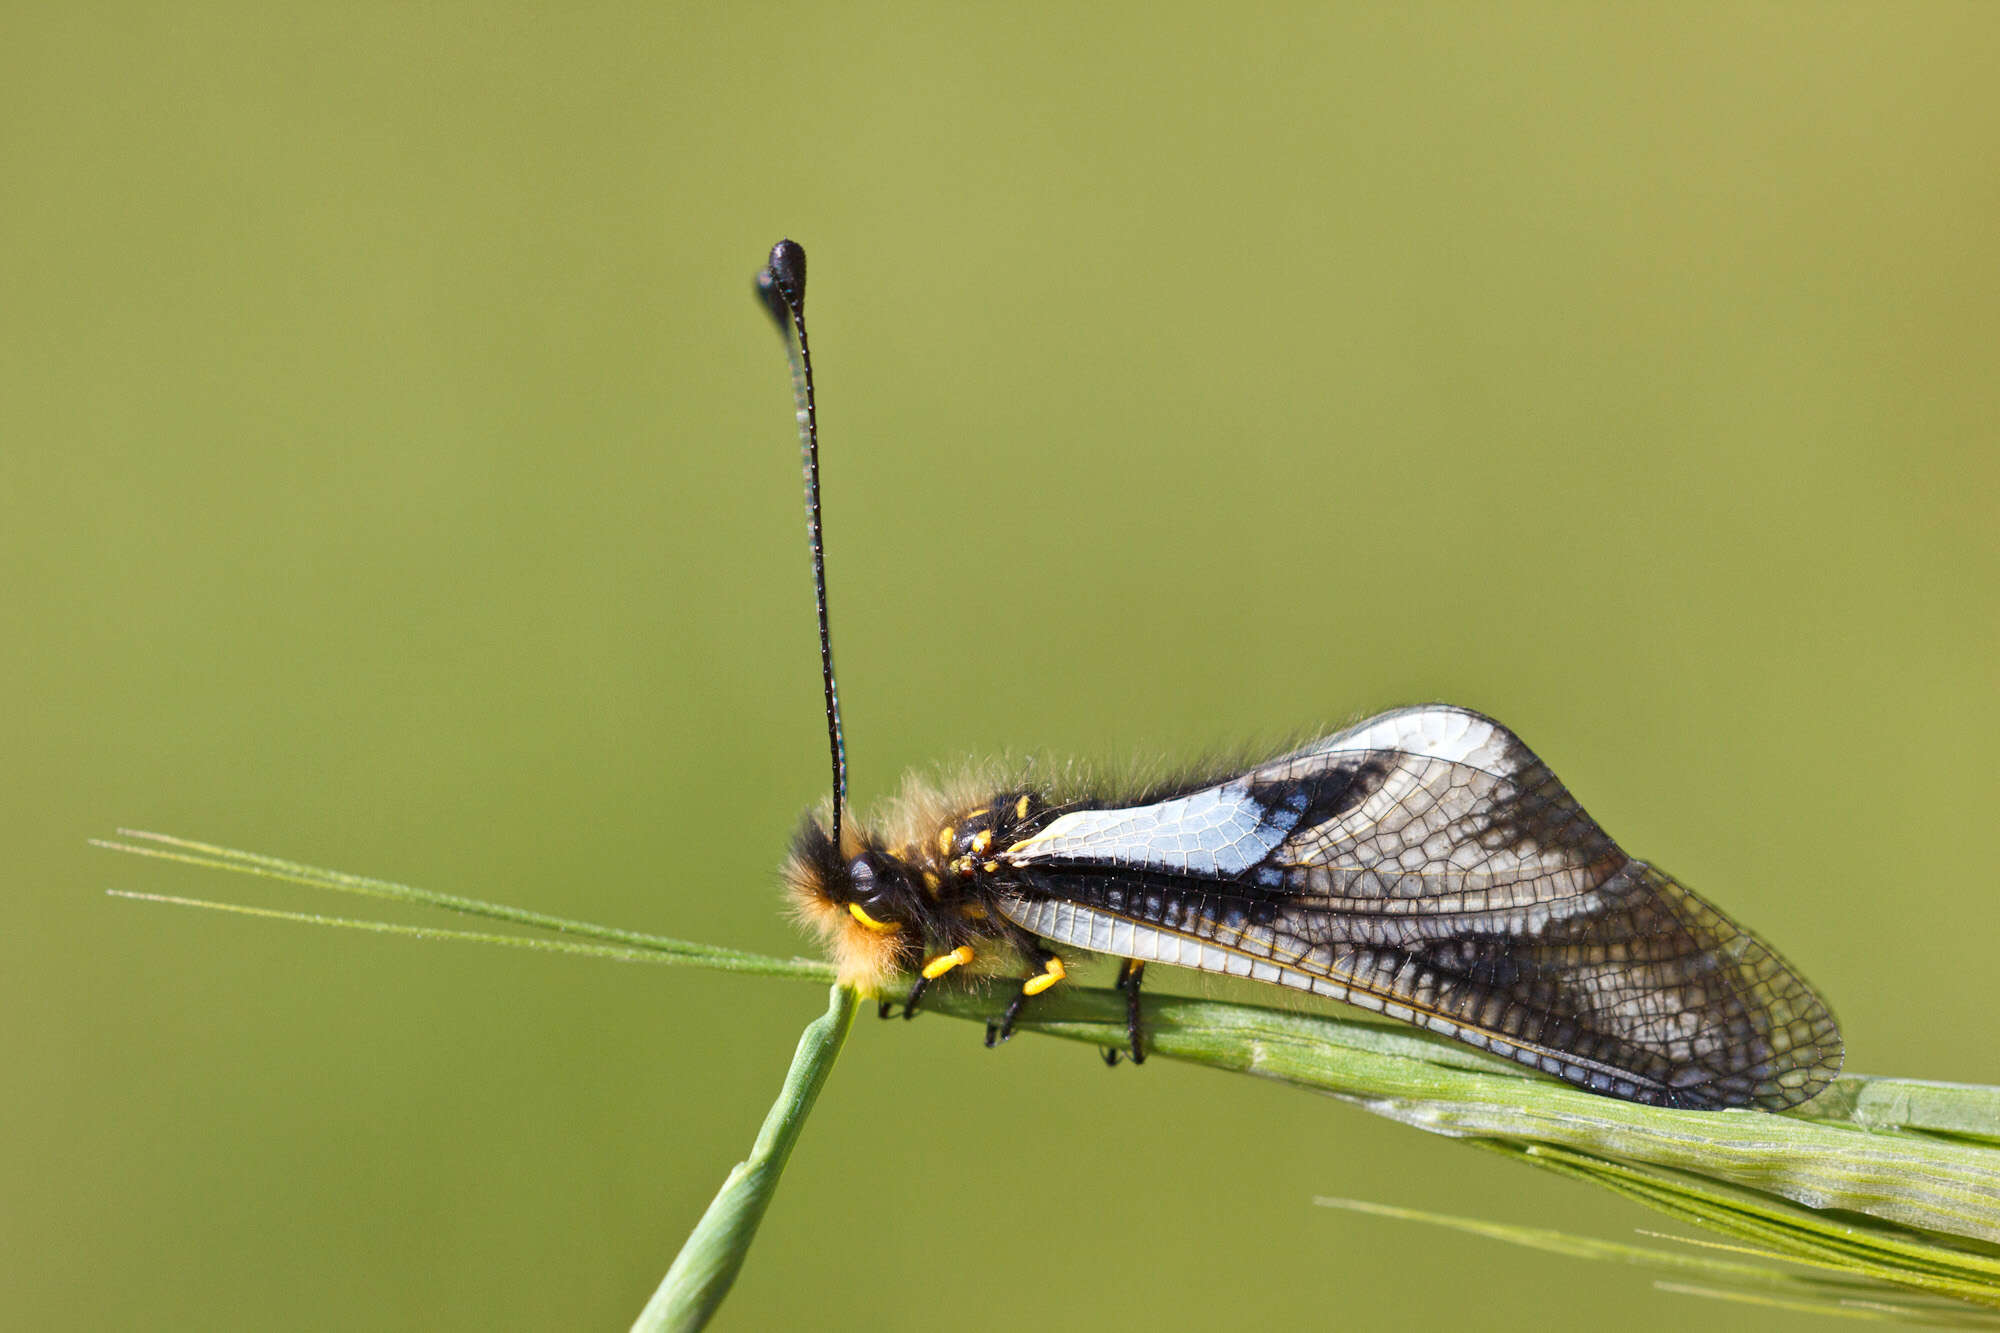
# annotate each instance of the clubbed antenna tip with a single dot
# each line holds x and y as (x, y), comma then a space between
(781, 283)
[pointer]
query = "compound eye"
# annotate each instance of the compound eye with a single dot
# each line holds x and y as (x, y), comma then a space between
(866, 893)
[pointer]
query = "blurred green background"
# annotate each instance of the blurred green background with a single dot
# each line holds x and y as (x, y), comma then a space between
(398, 476)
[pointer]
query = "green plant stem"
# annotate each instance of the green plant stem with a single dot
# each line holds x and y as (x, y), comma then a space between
(1893, 1183)
(707, 1265)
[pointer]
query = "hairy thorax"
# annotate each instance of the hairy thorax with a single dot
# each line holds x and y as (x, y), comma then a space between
(920, 885)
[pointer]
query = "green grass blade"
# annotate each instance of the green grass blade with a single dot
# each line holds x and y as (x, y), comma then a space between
(1915, 1180)
(686, 955)
(1958, 1109)
(166, 847)
(1773, 1228)
(707, 1265)
(1879, 1311)
(1888, 1188)
(1752, 1282)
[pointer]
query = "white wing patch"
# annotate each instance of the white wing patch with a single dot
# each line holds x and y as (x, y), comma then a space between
(1428, 731)
(1216, 833)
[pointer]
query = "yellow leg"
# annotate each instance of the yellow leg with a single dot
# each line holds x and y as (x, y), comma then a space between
(945, 962)
(1052, 972)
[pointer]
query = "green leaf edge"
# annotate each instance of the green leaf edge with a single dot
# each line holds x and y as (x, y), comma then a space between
(706, 1268)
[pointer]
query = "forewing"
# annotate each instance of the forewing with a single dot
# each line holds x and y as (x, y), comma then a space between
(1425, 864)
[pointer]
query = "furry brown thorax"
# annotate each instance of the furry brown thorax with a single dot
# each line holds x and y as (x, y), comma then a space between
(924, 886)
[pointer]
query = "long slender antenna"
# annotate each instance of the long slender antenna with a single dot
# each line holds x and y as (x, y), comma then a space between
(781, 286)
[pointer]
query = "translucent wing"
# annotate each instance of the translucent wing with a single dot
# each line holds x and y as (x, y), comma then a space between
(1426, 865)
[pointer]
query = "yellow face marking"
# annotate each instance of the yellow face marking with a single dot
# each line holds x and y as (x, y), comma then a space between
(1021, 808)
(931, 881)
(982, 843)
(944, 839)
(990, 867)
(879, 927)
(945, 962)
(1052, 972)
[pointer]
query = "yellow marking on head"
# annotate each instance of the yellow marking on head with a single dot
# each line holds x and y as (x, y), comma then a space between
(1052, 972)
(931, 881)
(1021, 807)
(982, 810)
(982, 843)
(972, 911)
(990, 867)
(945, 962)
(865, 958)
(944, 839)
(879, 927)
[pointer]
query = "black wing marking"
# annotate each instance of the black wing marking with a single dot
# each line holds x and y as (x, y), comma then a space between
(1427, 865)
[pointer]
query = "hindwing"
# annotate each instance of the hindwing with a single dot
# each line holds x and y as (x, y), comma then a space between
(1427, 865)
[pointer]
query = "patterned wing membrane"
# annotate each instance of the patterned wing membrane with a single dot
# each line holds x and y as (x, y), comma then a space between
(1426, 865)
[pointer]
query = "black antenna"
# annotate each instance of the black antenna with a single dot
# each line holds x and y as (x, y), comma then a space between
(781, 286)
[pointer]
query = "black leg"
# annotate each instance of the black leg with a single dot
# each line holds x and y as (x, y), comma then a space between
(1002, 1028)
(916, 994)
(1052, 971)
(1129, 977)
